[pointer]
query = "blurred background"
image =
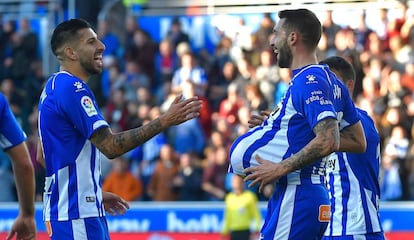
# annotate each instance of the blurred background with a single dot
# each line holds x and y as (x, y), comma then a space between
(178, 180)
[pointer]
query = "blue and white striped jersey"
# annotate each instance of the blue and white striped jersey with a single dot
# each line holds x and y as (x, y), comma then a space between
(68, 116)
(10, 132)
(314, 94)
(352, 181)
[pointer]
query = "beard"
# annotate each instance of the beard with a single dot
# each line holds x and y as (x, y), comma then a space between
(285, 57)
(90, 67)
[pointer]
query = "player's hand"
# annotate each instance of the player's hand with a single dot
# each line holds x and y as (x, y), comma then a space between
(114, 204)
(264, 173)
(256, 120)
(24, 228)
(181, 111)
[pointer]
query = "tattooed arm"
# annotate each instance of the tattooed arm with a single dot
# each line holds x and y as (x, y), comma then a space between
(353, 139)
(325, 142)
(116, 144)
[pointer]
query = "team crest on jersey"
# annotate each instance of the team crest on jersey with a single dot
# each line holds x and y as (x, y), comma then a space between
(311, 79)
(88, 106)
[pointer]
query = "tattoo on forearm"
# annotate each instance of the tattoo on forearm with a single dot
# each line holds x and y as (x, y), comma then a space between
(120, 143)
(327, 134)
(144, 133)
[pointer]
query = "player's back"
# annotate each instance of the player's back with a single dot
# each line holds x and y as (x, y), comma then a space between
(352, 181)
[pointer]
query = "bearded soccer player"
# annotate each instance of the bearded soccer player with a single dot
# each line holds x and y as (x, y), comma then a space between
(74, 135)
(315, 118)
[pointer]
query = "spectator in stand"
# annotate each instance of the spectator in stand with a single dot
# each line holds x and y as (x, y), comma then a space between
(131, 25)
(187, 182)
(176, 34)
(143, 52)
(188, 91)
(108, 38)
(282, 85)
(231, 104)
(362, 31)
(160, 186)
(190, 71)
(214, 175)
(267, 75)
(241, 209)
(135, 77)
(262, 35)
(122, 182)
(330, 28)
(246, 73)
(407, 79)
(390, 184)
(255, 98)
(217, 90)
(167, 62)
(116, 112)
(188, 137)
(145, 157)
(244, 114)
(396, 145)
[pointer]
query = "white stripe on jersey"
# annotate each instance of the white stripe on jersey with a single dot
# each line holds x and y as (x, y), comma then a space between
(285, 217)
(99, 124)
(376, 225)
(4, 142)
(79, 229)
(63, 179)
(355, 215)
(85, 186)
(46, 196)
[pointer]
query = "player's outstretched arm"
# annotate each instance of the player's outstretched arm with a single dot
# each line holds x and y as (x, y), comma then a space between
(116, 144)
(353, 139)
(24, 227)
(325, 142)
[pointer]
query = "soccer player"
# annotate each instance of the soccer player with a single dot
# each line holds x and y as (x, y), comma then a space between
(298, 134)
(13, 142)
(74, 135)
(353, 178)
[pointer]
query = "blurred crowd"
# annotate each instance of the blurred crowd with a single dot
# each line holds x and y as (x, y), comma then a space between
(189, 162)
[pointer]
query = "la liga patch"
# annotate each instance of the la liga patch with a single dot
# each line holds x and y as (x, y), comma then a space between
(88, 106)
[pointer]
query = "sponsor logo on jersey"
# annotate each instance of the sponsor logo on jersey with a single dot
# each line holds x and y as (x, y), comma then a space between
(88, 106)
(324, 213)
(79, 86)
(311, 79)
(90, 198)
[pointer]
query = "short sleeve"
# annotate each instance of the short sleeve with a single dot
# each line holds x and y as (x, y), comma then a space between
(11, 133)
(311, 97)
(77, 102)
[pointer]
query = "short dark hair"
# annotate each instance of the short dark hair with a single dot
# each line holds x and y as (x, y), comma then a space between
(342, 66)
(305, 22)
(65, 32)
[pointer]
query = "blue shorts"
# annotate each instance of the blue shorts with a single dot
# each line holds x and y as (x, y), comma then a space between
(369, 236)
(297, 212)
(95, 228)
